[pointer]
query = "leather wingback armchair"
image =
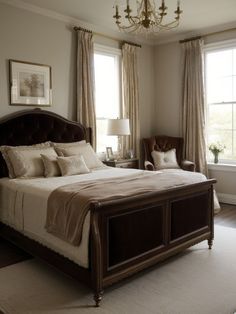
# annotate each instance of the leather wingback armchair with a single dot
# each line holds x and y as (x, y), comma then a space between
(164, 143)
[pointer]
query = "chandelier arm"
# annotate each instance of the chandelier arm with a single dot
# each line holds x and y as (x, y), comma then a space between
(176, 23)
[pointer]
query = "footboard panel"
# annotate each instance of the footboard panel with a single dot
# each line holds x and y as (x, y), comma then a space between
(134, 233)
(189, 215)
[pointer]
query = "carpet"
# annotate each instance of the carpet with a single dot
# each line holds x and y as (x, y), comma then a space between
(197, 281)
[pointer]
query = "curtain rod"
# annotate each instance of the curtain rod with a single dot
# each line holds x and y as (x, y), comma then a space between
(82, 29)
(132, 44)
(208, 34)
(106, 36)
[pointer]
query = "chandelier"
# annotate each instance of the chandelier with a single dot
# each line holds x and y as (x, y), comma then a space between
(147, 19)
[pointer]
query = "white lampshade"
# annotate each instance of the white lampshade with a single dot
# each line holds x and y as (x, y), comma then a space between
(118, 127)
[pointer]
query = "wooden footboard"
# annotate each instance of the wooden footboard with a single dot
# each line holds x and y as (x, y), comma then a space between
(134, 233)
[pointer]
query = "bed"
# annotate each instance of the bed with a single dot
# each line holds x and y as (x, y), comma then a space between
(112, 247)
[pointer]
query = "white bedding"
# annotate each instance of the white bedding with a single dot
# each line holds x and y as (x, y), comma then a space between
(23, 205)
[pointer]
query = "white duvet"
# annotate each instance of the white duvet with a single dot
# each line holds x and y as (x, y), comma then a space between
(23, 205)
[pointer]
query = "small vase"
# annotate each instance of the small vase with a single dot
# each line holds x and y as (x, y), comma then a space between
(216, 159)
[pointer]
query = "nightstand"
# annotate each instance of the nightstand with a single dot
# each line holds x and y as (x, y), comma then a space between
(123, 163)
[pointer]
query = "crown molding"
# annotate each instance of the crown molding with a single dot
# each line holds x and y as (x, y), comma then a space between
(70, 21)
(200, 32)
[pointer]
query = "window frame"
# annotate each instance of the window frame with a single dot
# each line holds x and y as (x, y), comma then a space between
(113, 52)
(216, 47)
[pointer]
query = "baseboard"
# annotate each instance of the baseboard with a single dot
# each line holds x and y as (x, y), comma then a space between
(227, 198)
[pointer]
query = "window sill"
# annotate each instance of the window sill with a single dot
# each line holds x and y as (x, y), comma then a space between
(222, 167)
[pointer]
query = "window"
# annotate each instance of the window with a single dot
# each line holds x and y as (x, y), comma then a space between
(220, 80)
(107, 93)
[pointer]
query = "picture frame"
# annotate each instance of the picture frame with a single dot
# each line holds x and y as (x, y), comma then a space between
(30, 84)
(110, 155)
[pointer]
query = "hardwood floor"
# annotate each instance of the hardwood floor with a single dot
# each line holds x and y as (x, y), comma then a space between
(227, 216)
(9, 254)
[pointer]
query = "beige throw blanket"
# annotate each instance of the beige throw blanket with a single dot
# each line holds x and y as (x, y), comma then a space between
(69, 205)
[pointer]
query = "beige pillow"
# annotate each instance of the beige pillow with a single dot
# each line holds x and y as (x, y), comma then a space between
(66, 145)
(4, 150)
(86, 150)
(51, 167)
(27, 162)
(165, 160)
(72, 165)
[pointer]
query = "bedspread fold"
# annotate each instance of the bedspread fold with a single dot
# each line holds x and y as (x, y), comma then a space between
(68, 205)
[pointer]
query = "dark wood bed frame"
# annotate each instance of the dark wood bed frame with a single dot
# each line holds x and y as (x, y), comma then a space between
(126, 236)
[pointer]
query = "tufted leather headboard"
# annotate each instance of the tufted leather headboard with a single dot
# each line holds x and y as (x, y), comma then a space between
(30, 127)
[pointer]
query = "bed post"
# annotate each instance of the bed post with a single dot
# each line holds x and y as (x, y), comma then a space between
(96, 256)
(210, 240)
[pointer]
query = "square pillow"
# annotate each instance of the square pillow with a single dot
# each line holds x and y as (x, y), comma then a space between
(51, 167)
(4, 150)
(165, 160)
(27, 161)
(91, 159)
(66, 145)
(72, 165)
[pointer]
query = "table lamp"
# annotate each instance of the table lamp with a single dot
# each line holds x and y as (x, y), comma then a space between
(118, 127)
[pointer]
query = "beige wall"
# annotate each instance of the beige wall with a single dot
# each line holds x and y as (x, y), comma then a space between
(167, 89)
(168, 66)
(32, 37)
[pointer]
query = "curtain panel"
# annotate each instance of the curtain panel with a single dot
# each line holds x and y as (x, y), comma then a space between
(130, 88)
(86, 82)
(194, 111)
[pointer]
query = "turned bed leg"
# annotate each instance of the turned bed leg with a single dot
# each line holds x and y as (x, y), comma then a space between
(98, 298)
(210, 243)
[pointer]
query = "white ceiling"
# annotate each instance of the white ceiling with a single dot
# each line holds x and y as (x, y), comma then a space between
(198, 14)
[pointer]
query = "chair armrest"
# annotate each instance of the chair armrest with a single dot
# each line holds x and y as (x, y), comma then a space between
(148, 165)
(188, 165)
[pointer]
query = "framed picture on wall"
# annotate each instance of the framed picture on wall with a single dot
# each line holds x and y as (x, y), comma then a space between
(30, 84)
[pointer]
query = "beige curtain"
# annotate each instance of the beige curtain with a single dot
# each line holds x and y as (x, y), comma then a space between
(193, 105)
(131, 97)
(86, 82)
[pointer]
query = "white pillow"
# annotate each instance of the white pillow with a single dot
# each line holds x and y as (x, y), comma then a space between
(4, 150)
(165, 160)
(86, 150)
(51, 167)
(58, 146)
(27, 162)
(72, 165)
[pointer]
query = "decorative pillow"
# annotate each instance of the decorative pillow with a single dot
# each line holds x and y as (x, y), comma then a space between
(4, 150)
(165, 160)
(51, 167)
(58, 146)
(86, 150)
(27, 162)
(72, 165)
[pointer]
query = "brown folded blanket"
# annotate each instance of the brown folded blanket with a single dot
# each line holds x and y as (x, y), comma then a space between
(68, 205)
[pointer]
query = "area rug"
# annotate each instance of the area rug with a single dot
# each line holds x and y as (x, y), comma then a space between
(197, 281)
